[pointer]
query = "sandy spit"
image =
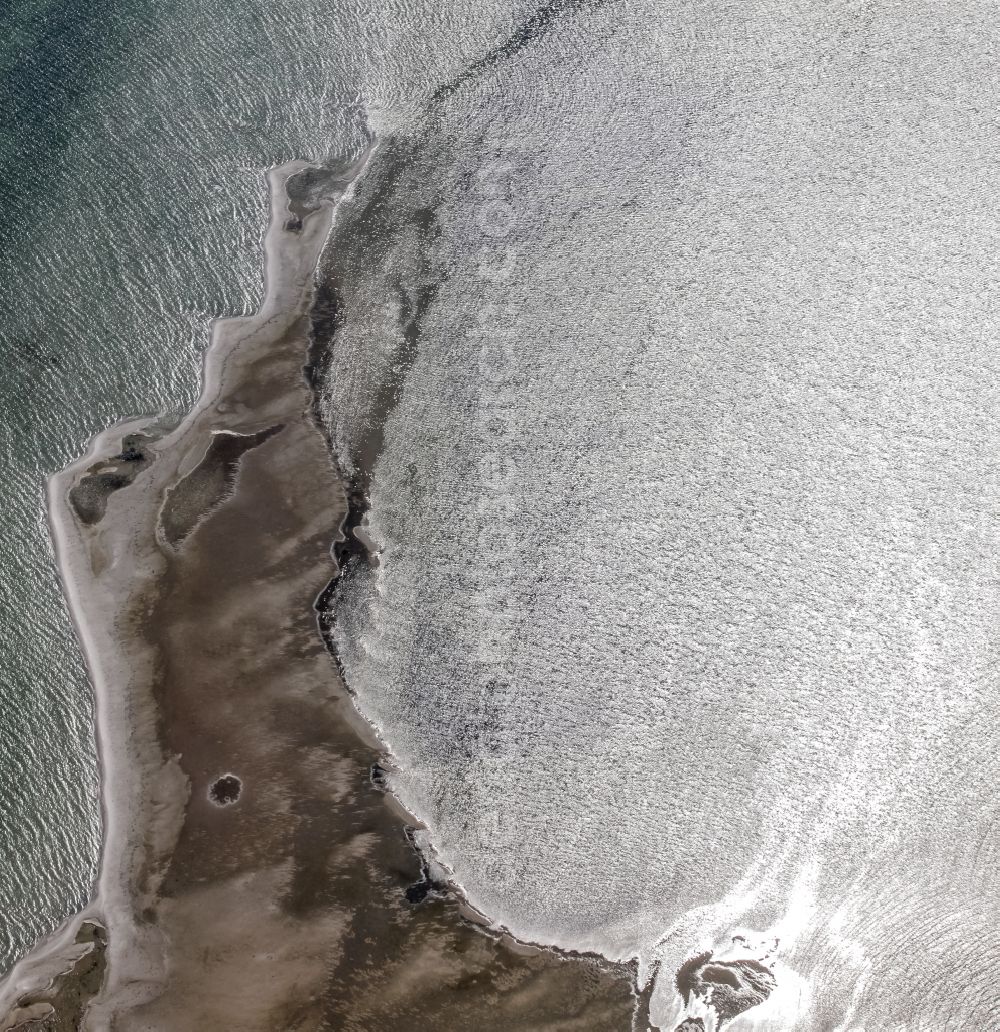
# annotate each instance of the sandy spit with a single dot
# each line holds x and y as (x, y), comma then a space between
(191, 556)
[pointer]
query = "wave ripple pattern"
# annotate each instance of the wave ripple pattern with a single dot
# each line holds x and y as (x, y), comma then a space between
(683, 627)
(132, 181)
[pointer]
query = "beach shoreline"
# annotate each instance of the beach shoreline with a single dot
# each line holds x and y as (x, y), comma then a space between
(121, 750)
(191, 555)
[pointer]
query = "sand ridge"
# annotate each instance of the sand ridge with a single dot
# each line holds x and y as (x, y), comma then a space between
(289, 907)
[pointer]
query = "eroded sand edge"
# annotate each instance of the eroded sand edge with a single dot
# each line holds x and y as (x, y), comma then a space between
(286, 909)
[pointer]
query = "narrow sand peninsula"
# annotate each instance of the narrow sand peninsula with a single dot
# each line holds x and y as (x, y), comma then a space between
(253, 876)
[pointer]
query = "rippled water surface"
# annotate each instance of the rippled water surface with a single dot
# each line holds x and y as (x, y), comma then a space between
(667, 356)
(134, 141)
(679, 343)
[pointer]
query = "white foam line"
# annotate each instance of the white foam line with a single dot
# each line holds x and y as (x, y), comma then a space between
(143, 793)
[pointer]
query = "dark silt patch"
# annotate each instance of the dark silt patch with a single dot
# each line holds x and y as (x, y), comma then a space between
(691, 1025)
(70, 993)
(317, 185)
(89, 496)
(729, 987)
(209, 484)
(383, 220)
(529, 32)
(226, 790)
(686, 978)
(419, 891)
(313, 187)
(427, 887)
(377, 776)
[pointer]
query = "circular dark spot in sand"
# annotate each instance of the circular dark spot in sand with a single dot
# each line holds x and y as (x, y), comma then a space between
(225, 790)
(418, 892)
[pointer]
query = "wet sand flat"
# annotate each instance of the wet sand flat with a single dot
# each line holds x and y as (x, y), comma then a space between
(281, 903)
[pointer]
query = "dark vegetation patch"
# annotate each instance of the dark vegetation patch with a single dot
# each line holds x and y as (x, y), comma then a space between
(89, 495)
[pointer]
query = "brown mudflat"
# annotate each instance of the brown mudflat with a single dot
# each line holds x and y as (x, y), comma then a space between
(302, 882)
(280, 895)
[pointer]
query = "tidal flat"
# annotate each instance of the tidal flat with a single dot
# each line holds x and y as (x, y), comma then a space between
(254, 873)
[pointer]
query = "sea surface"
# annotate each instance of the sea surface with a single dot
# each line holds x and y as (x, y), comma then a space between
(672, 341)
(678, 340)
(134, 141)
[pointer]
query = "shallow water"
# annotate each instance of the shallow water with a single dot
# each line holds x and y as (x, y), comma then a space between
(132, 158)
(683, 624)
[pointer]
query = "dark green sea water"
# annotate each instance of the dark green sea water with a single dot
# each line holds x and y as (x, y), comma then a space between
(134, 137)
(133, 140)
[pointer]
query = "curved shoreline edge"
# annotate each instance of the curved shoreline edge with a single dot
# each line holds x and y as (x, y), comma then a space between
(294, 878)
(283, 273)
